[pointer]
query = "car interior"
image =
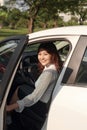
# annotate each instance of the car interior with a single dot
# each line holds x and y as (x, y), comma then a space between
(27, 74)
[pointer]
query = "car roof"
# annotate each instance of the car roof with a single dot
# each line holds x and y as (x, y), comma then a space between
(69, 30)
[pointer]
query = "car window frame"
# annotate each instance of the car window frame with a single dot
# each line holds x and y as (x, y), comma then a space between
(70, 75)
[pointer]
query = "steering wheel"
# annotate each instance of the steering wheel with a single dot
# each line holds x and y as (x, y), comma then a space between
(25, 70)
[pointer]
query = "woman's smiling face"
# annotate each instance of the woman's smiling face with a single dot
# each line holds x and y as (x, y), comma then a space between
(44, 57)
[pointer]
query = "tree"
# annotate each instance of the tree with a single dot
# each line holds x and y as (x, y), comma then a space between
(81, 11)
(78, 8)
(3, 15)
(44, 11)
(13, 17)
(35, 7)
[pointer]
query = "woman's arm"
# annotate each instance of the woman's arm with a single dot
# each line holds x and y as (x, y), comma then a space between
(41, 85)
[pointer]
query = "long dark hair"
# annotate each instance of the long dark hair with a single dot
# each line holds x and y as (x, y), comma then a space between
(52, 50)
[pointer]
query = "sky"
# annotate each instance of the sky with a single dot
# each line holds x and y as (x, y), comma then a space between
(19, 4)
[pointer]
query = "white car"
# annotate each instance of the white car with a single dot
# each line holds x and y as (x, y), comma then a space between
(68, 106)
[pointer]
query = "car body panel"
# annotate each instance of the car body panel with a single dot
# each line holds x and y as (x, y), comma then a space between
(67, 109)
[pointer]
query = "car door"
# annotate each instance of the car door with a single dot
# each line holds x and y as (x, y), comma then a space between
(69, 107)
(10, 52)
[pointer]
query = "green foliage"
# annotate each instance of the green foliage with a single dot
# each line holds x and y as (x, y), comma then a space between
(41, 14)
(78, 8)
(3, 15)
(22, 23)
(13, 16)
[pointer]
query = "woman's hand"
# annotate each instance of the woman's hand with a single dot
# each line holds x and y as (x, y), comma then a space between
(11, 107)
(8, 108)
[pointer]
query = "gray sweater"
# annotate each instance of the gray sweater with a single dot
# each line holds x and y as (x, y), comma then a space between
(43, 88)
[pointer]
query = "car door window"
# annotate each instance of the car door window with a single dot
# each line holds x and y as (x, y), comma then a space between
(62, 46)
(82, 73)
(6, 50)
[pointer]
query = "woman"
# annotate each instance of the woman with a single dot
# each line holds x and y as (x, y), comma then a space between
(49, 64)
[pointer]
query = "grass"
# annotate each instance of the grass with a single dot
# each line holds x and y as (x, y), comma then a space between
(11, 32)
